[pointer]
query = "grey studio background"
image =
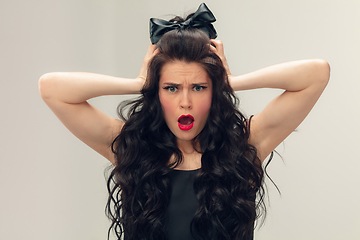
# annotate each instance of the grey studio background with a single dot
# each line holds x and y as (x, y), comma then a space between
(53, 186)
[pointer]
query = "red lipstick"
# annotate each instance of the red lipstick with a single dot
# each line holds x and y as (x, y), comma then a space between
(186, 122)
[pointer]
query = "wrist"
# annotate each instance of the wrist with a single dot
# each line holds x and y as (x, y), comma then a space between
(139, 83)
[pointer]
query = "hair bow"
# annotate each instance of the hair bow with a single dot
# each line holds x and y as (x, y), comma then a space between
(202, 20)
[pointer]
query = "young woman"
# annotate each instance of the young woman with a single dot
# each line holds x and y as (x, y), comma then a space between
(187, 163)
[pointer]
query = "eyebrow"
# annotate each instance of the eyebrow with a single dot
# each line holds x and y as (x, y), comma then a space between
(178, 84)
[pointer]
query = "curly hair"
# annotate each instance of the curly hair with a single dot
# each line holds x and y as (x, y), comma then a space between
(231, 175)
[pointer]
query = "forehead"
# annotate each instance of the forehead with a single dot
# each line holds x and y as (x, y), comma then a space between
(182, 72)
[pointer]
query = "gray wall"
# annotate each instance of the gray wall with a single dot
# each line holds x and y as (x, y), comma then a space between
(53, 186)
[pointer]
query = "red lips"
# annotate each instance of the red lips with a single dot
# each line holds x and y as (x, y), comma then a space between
(186, 122)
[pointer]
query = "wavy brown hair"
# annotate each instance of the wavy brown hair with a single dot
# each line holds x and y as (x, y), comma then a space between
(231, 174)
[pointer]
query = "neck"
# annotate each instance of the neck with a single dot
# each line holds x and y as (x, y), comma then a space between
(187, 147)
(191, 155)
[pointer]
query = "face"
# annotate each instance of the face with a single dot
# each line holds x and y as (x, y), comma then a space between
(185, 93)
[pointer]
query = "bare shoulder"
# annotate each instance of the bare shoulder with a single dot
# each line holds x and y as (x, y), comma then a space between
(303, 83)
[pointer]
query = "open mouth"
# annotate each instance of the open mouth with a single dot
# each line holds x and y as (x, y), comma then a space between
(186, 122)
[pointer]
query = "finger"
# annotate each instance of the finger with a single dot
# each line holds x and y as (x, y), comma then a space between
(155, 52)
(219, 50)
(213, 49)
(151, 49)
(218, 44)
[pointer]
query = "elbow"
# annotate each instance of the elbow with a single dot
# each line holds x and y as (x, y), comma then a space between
(46, 85)
(321, 69)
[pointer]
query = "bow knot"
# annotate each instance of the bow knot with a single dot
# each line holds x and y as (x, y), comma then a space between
(181, 26)
(201, 19)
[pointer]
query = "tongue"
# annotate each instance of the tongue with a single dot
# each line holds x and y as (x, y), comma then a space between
(185, 121)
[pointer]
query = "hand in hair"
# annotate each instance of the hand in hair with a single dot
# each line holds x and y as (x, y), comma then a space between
(218, 48)
(151, 52)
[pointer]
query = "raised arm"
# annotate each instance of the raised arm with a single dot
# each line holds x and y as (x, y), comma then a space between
(67, 93)
(302, 82)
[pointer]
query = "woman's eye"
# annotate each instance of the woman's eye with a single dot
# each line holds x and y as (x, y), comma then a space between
(198, 88)
(171, 89)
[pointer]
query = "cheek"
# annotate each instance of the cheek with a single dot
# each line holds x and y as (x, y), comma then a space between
(205, 106)
(166, 106)
(207, 102)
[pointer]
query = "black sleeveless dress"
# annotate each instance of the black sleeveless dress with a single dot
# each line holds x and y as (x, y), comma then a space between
(183, 205)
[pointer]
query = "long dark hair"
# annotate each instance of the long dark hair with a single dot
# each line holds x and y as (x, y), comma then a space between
(231, 174)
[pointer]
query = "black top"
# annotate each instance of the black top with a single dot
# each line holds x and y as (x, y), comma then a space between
(183, 204)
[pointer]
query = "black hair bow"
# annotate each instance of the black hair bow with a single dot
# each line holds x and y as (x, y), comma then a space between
(202, 20)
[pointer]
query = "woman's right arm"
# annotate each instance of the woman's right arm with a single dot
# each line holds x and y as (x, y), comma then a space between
(67, 93)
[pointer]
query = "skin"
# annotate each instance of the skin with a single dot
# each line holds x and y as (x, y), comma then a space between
(185, 88)
(302, 81)
(66, 94)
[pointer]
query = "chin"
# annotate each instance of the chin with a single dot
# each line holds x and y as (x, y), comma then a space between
(185, 136)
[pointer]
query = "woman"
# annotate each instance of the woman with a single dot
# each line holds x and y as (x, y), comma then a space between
(187, 162)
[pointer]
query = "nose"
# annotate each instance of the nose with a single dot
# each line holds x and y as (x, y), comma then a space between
(185, 101)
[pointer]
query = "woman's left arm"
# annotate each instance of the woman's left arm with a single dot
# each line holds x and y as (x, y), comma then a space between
(303, 82)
